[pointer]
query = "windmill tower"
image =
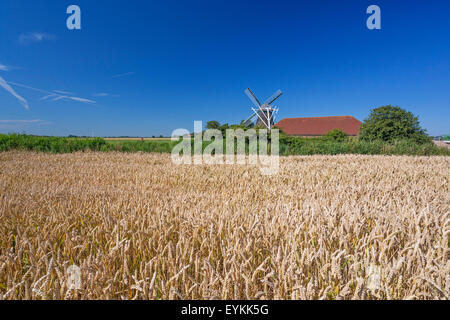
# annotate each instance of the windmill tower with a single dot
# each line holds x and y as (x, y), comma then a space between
(263, 113)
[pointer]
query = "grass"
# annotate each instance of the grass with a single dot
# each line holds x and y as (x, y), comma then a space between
(288, 146)
(305, 146)
(49, 144)
(158, 146)
(136, 139)
(140, 227)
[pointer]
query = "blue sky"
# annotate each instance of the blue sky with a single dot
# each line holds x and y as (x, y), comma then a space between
(144, 68)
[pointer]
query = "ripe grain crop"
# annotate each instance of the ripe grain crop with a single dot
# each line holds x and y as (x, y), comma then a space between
(139, 227)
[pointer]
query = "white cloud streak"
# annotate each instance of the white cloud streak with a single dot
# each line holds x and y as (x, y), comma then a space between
(22, 124)
(21, 121)
(28, 87)
(62, 92)
(46, 97)
(8, 88)
(80, 99)
(123, 74)
(35, 37)
(4, 67)
(54, 95)
(104, 94)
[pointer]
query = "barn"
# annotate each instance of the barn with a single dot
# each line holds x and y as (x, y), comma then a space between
(319, 126)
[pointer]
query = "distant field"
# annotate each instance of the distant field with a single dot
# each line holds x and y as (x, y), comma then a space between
(137, 139)
(287, 145)
(442, 144)
(140, 227)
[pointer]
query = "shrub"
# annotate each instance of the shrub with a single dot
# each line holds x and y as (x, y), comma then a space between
(336, 135)
(213, 124)
(289, 145)
(49, 144)
(389, 123)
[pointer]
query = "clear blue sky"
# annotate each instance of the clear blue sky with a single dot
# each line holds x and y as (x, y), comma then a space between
(144, 68)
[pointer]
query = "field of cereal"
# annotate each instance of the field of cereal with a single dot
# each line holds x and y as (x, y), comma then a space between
(140, 227)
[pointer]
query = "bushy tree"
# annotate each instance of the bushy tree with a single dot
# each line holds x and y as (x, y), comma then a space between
(390, 123)
(336, 135)
(281, 132)
(223, 128)
(248, 126)
(213, 124)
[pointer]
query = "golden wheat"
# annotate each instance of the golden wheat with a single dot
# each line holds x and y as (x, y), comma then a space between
(139, 227)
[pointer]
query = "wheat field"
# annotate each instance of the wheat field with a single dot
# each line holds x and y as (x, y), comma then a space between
(140, 227)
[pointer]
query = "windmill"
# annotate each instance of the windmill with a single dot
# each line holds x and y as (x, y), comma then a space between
(265, 113)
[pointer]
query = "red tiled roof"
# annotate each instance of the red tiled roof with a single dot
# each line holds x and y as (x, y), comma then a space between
(318, 126)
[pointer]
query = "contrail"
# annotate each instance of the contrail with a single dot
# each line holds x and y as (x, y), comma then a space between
(8, 88)
(53, 94)
(123, 75)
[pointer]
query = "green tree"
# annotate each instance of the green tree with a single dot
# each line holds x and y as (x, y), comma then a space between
(223, 128)
(389, 123)
(248, 126)
(213, 124)
(336, 135)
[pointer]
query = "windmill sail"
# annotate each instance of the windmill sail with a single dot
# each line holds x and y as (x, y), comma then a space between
(265, 113)
(248, 121)
(274, 97)
(252, 97)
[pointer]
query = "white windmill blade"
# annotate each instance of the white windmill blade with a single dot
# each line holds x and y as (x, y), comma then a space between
(257, 113)
(269, 120)
(262, 116)
(274, 97)
(248, 119)
(255, 100)
(273, 116)
(252, 97)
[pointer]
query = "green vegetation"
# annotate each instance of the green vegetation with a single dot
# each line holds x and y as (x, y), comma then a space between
(336, 135)
(67, 145)
(49, 144)
(310, 146)
(288, 145)
(388, 123)
(159, 146)
(213, 124)
(388, 130)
